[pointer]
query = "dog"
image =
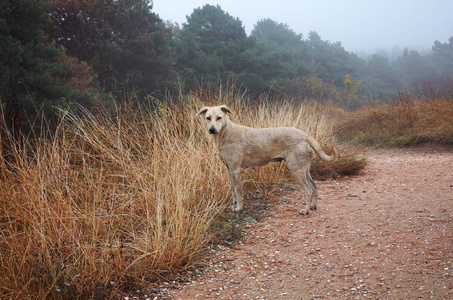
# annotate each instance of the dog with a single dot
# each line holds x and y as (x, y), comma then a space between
(245, 147)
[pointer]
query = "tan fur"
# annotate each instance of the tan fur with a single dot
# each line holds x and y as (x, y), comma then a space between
(245, 147)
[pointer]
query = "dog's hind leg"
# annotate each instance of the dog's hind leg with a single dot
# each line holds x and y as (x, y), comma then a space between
(299, 167)
(314, 198)
(301, 179)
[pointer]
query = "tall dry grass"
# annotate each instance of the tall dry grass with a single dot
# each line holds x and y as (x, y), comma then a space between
(410, 120)
(106, 204)
(112, 202)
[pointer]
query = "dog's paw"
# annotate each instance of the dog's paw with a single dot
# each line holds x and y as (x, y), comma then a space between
(304, 212)
(314, 207)
(236, 208)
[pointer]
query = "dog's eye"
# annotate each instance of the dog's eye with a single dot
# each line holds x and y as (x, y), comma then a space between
(219, 118)
(208, 118)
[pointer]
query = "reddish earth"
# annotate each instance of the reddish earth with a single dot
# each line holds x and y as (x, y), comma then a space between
(385, 234)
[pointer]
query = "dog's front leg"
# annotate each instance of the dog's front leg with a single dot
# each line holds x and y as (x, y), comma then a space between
(236, 188)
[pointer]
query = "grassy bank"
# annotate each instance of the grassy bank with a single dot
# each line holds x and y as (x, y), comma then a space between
(114, 201)
(411, 120)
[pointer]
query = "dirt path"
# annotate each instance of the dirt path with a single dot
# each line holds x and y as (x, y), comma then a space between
(386, 234)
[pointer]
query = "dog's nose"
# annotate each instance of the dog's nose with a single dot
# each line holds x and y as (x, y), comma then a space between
(212, 130)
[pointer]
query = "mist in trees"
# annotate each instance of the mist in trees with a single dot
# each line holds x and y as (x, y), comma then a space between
(57, 54)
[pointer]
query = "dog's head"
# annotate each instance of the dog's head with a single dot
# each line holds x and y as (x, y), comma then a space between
(215, 117)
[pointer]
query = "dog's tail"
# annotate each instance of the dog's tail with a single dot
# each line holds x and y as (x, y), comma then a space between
(315, 145)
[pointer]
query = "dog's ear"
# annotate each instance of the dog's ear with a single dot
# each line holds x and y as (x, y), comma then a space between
(225, 109)
(202, 111)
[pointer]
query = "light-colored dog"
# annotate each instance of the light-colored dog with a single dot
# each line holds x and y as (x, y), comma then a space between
(244, 147)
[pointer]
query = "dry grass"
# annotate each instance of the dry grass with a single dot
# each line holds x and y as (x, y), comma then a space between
(113, 202)
(409, 121)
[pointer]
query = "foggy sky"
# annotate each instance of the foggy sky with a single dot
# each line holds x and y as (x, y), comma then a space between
(359, 25)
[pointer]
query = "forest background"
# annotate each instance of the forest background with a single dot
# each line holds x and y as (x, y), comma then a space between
(60, 55)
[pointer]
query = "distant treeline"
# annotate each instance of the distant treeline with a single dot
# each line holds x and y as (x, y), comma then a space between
(59, 53)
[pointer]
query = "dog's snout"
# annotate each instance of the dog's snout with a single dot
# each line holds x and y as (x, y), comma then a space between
(212, 130)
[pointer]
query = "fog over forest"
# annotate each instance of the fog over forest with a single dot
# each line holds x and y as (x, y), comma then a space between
(363, 27)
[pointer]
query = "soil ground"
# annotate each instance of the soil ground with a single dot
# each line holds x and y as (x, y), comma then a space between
(384, 234)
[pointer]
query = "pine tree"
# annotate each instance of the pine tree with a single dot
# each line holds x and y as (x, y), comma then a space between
(30, 70)
(125, 43)
(211, 45)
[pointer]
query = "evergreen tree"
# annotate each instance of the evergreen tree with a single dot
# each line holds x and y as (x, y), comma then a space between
(412, 69)
(211, 46)
(380, 80)
(31, 72)
(280, 53)
(279, 33)
(127, 44)
(330, 62)
(443, 57)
